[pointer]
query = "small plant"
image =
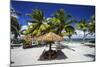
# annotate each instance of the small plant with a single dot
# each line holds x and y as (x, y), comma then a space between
(15, 41)
(27, 42)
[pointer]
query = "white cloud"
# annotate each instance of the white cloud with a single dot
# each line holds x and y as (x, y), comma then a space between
(13, 13)
(48, 18)
(24, 27)
(29, 23)
(80, 34)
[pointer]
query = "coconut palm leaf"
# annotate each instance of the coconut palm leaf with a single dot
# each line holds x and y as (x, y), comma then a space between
(15, 27)
(82, 25)
(64, 19)
(69, 31)
(92, 25)
(36, 15)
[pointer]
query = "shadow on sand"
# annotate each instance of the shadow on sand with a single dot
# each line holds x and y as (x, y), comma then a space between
(35, 46)
(60, 55)
(12, 62)
(90, 55)
(66, 47)
(89, 45)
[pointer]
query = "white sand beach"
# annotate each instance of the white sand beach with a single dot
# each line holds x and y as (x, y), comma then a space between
(73, 52)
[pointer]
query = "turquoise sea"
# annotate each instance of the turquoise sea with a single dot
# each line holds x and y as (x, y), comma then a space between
(80, 40)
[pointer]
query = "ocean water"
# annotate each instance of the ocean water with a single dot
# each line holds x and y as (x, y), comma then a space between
(80, 40)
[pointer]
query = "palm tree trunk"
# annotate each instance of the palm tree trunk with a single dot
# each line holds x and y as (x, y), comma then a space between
(69, 38)
(50, 46)
(15, 36)
(84, 37)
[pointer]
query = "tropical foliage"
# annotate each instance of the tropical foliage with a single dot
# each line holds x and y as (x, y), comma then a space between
(15, 27)
(60, 23)
(92, 25)
(69, 31)
(38, 26)
(82, 25)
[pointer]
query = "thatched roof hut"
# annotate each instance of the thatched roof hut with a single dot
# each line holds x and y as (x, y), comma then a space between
(49, 37)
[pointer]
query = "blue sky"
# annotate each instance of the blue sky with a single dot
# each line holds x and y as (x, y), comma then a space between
(77, 11)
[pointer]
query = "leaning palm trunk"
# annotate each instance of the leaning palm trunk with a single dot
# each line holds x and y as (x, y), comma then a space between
(69, 38)
(84, 37)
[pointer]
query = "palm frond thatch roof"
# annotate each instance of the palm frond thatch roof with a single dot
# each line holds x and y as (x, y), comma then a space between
(49, 37)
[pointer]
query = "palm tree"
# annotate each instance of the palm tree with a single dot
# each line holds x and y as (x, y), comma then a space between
(69, 31)
(82, 25)
(61, 21)
(38, 26)
(92, 25)
(15, 27)
(53, 22)
(64, 20)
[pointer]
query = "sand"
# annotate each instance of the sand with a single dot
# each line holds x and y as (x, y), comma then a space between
(73, 52)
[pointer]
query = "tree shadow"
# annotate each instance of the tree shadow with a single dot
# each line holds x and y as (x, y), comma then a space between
(12, 62)
(60, 56)
(36, 46)
(66, 47)
(90, 55)
(89, 45)
(15, 46)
